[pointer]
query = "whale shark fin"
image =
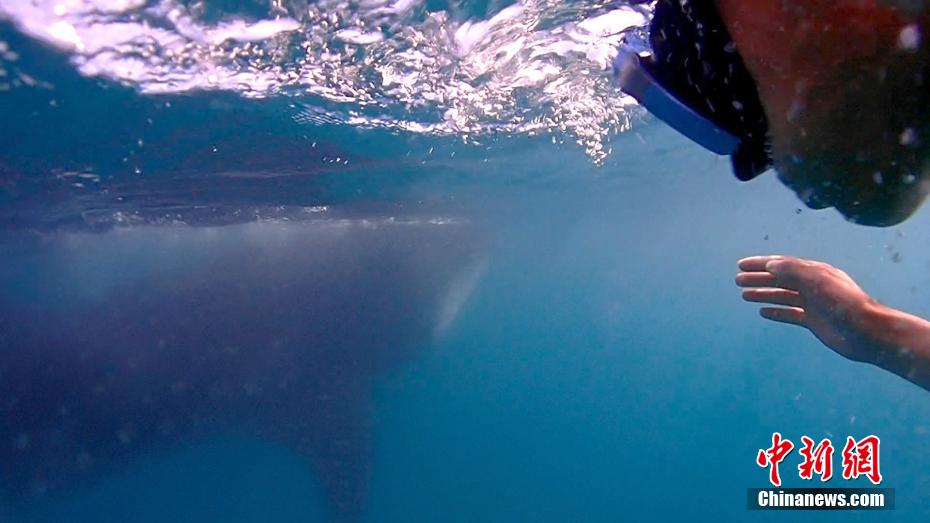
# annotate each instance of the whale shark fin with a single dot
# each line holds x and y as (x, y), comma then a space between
(331, 432)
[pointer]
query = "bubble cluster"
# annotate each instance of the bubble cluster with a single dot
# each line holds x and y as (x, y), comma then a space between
(533, 67)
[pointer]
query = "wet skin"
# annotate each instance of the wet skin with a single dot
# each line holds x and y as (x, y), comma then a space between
(830, 304)
(842, 83)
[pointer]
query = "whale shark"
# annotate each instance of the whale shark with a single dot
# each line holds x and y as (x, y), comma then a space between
(132, 342)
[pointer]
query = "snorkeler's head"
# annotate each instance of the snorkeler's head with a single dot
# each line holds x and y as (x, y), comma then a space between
(846, 89)
(834, 93)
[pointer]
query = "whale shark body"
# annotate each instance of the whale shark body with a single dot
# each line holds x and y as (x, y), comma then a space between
(121, 344)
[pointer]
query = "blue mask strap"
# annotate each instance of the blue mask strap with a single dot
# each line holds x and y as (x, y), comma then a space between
(635, 81)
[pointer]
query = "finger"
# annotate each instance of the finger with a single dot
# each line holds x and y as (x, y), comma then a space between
(773, 296)
(788, 272)
(757, 263)
(792, 315)
(755, 279)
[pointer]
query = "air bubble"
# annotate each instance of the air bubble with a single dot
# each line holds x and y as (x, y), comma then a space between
(908, 137)
(909, 38)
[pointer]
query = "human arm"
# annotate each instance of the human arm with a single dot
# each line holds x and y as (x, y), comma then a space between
(834, 308)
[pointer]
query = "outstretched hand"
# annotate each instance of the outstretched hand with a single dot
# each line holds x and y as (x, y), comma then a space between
(814, 295)
(828, 302)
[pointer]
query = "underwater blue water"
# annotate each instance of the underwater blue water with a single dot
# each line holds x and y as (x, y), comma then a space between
(597, 365)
